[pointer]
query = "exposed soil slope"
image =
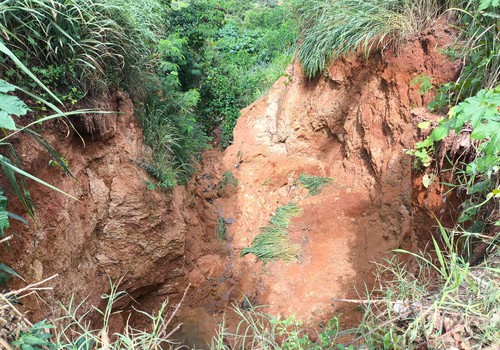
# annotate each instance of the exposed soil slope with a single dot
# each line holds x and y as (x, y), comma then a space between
(116, 230)
(351, 124)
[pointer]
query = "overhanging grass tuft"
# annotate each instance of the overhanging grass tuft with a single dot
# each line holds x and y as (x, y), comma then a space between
(333, 29)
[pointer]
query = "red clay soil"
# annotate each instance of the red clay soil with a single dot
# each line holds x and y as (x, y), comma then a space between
(353, 124)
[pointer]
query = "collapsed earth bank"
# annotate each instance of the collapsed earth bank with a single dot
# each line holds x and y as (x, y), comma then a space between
(351, 124)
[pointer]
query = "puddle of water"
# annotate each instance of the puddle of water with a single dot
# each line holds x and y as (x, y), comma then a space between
(198, 328)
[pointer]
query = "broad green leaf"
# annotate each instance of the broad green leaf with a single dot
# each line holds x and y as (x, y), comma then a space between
(6, 121)
(424, 125)
(6, 87)
(440, 132)
(484, 130)
(12, 105)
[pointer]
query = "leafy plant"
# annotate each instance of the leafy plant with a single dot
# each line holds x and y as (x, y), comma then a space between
(314, 184)
(273, 242)
(424, 82)
(478, 46)
(480, 114)
(221, 230)
(36, 338)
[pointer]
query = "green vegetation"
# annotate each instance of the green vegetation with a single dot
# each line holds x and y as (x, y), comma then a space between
(273, 242)
(332, 29)
(259, 330)
(314, 184)
(221, 230)
(228, 179)
(73, 330)
(424, 82)
(12, 107)
(235, 50)
(190, 66)
(479, 177)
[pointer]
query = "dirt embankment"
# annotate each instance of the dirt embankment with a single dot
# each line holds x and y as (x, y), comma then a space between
(116, 230)
(352, 124)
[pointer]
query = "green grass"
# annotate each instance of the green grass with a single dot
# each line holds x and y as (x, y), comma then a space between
(221, 229)
(228, 179)
(273, 242)
(478, 46)
(74, 330)
(332, 29)
(80, 36)
(314, 184)
(258, 329)
(444, 297)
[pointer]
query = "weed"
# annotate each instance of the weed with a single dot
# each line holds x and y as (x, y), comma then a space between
(478, 47)
(260, 330)
(424, 82)
(221, 230)
(273, 242)
(228, 179)
(314, 184)
(441, 303)
(74, 330)
(480, 175)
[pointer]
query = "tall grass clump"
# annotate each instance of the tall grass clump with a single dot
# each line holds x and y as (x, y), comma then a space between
(478, 46)
(331, 29)
(258, 329)
(71, 43)
(273, 242)
(440, 304)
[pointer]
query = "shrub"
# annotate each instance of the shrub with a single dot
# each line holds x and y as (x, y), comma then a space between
(479, 177)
